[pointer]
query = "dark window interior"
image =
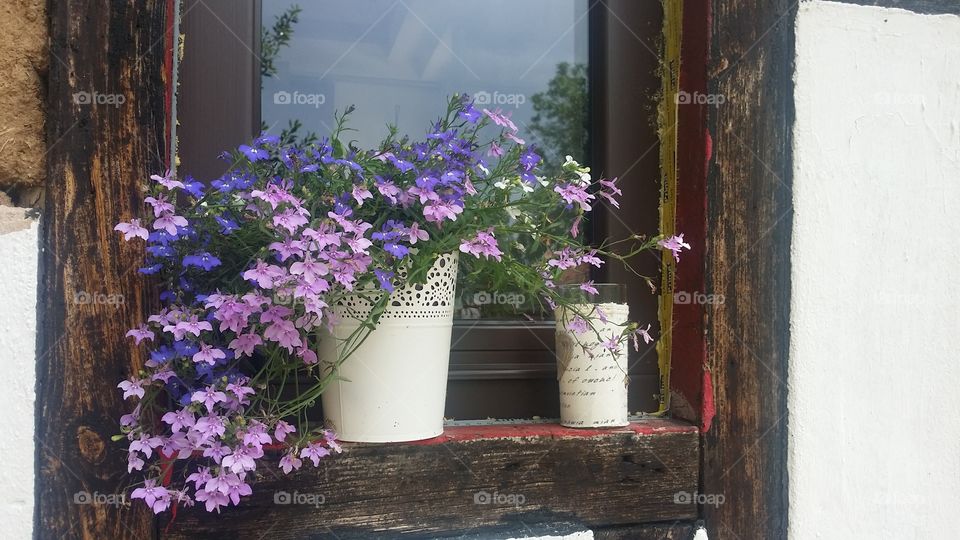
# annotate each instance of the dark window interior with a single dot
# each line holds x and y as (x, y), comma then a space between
(397, 61)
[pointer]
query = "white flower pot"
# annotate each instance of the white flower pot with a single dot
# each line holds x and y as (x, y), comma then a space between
(393, 387)
(593, 389)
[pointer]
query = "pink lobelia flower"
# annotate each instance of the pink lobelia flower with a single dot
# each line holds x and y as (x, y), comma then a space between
(575, 194)
(284, 333)
(437, 211)
(132, 387)
(643, 332)
(483, 244)
(166, 180)
(132, 229)
(244, 344)
(169, 223)
(415, 233)
(577, 325)
(209, 397)
(674, 244)
(180, 419)
(156, 497)
(208, 354)
(290, 462)
(141, 333)
(283, 429)
(314, 451)
(587, 286)
(264, 274)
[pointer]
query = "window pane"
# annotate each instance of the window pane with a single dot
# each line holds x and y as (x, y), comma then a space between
(398, 61)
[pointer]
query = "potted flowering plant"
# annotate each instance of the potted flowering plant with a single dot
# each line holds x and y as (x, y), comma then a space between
(288, 269)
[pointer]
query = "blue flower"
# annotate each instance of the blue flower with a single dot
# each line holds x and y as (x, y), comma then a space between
(470, 114)
(384, 277)
(150, 270)
(253, 153)
(202, 260)
(397, 250)
(227, 225)
(185, 348)
(162, 355)
(193, 187)
(161, 250)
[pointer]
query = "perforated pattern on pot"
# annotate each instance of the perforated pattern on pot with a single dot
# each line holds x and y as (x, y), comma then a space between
(433, 299)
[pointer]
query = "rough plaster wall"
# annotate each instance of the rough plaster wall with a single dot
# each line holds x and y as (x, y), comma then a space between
(23, 48)
(18, 328)
(874, 363)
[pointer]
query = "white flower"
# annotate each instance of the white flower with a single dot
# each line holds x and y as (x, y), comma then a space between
(502, 184)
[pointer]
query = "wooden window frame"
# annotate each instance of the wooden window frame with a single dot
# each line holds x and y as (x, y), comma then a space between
(728, 373)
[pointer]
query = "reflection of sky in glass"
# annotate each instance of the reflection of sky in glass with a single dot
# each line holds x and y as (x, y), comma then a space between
(398, 61)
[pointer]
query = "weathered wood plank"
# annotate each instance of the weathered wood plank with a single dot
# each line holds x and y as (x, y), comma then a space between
(748, 262)
(461, 483)
(933, 7)
(105, 135)
(677, 530)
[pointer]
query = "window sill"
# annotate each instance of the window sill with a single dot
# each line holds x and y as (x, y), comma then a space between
(475, 476)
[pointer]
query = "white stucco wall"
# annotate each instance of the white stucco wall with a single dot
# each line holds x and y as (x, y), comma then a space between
(874, 406)
(18, 330)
